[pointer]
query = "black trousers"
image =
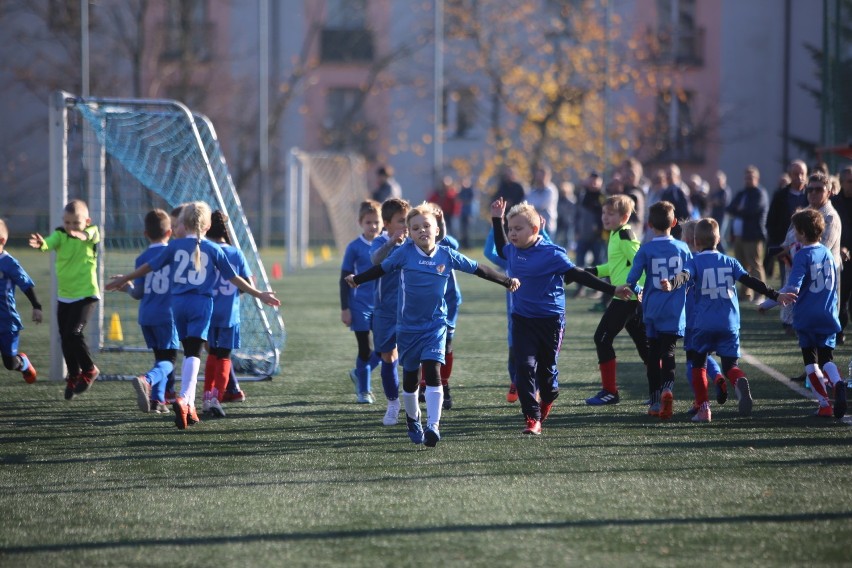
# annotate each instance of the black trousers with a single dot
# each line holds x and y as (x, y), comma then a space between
(536, 343)
(72, 319)
(620, 315)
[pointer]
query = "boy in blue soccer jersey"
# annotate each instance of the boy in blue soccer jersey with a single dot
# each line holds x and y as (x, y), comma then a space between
(538, 308)
(155, 317)
(224, 334)
(660, 259)
(424, 270)
(813, 277)
(13, 274)
(195, 265)
(394, 212)
(356, 305)
(717, 314)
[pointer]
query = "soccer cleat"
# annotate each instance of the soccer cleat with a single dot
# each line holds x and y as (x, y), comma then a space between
(365, 398)
(415, 430)
(205, 405)
(654, 409)
(448, 398)
(533, 427)
(234, 396)
(86, 379)
(181, 413)
(191, 416)
(840, 399)
(70, 385)
(744, 399)
(546, 407)
(143, 393)
(159, 407)
(693, 410)
(666, 405)
(721, 389)
(392, 413)
(703, 414)
(824, 411)
(171, 396)
(353, 376)
(512, 395)
(602, 398)
(432, 435)
(30, 373)
(215, 410)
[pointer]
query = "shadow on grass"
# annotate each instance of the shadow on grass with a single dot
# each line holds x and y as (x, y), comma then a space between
(420, 531)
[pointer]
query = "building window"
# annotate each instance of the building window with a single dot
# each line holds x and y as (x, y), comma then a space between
(188, 30)
(345, 36)
(677, 138)
(345, 126)
(678, 39)
(460, 111)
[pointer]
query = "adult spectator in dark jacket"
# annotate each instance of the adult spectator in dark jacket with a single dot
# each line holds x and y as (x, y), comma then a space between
(786, 201)
(509, 189)
(387, 186)
(589, 226)
(748, 211)
(719, 199)
(677, 193)
(843, 204)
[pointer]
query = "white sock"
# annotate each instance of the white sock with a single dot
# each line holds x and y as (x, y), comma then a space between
(833, 373)
(189, 378)
(434, 404)
(412, 407)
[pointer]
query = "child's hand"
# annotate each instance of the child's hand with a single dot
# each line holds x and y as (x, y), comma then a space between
(498, 207)
(38, 316)
(116, 283)
(36, 240)
(513, 285)
(346, 317)
(787, 298)
(665, 285)
(351, 281)
(623, 292)
(269, 299)
(399, 236)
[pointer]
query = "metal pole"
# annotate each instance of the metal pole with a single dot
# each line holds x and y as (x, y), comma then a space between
(84, 47)
(290, 211)
(438, 134)
(58, 196)
(265, 200)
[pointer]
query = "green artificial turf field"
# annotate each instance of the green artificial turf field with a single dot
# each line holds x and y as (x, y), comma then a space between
(299, 475)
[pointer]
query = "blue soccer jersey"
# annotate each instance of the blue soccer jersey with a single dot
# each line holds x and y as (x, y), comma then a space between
(356, 259)
(423, 284)
(661, 258)
(153, 290)
(540, 268)
(814, 277)
(11, 274)
(185, 278)
(386, 303)
(715, 275)
(453, 297)
(226, 296)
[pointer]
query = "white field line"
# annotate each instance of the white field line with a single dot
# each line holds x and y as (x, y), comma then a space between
(777, 375)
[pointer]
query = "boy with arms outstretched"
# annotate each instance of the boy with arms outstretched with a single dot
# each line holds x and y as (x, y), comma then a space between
(538, 309)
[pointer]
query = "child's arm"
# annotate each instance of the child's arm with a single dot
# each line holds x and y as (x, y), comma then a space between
(36, 241)
(580, 276)
(784, 298)
(372, 273)
(488, 273)
(31, 296)
(117, 282)
(498, 208)
(667, 285)
(267, 298)
(345, 314)
(377, 256)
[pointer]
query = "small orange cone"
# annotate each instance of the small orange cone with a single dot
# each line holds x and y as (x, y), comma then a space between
(115, 333)
(276, 271)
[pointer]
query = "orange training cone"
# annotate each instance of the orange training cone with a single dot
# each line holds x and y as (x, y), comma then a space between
(276, 271)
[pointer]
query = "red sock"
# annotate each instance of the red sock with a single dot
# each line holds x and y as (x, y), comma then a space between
(447, 368)
(223, 373)
(210, 372)
(817, 385)
(608, 376)
(735, 374)
(699, 384)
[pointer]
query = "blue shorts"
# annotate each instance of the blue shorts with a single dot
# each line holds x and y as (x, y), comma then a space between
(9, 343)
(160, 336)
(192, 315)
(384, 333)
(362, 318)
(688, 334)
(224, 337)
(421, 346)
(654, 328)
(724, 343)
(810, 340)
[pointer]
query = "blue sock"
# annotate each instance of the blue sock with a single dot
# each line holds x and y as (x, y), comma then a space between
(159, 376)
(362, 371)
(689, 375)
(713, 369)
(375, 359)
(390, 380)
(233, 383)
(170, 381)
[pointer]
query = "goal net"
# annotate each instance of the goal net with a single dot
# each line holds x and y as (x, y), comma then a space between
(124, 158)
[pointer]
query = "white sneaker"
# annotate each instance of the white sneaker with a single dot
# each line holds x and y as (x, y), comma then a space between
(216, 409)
(392, 414)
(205, 406)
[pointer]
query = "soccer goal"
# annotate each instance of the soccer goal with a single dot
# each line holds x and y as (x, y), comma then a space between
(125, 157)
